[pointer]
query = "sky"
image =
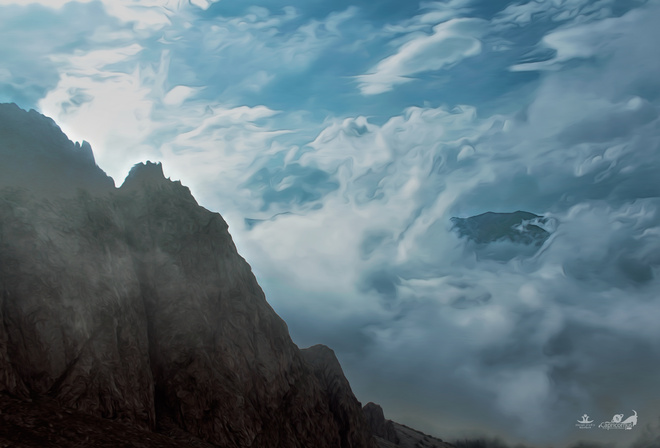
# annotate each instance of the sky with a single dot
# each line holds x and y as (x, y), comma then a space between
(338, 139)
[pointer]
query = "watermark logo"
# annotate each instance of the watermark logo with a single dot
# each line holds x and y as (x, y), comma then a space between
(618, 422)
(585, 423)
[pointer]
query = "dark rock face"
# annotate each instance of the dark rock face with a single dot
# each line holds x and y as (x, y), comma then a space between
(389, 434)
(353, 428)
(133, 304)
(45, 424)
(379, 426)
(36, 155)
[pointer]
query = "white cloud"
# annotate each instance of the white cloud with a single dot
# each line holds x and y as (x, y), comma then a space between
(597, 37)
(450, 43)
(125, 110)
(217, 148)
(56, 4)
(435, 13)
(146, 14)
(120, 98)
(581, 41)
(203, 4)
(177, 95)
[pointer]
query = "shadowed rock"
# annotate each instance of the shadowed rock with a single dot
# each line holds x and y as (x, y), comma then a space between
(389, 434)
(353, 428)
(36, 155)
(379, 426)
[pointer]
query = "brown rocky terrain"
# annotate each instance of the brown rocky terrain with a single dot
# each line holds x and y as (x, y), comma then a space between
(127, 317)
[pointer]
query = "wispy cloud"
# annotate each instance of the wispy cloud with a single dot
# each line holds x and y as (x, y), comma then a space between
(523, 14)
(136, 84)
(449, 43)
(581, 42)
(147, 14)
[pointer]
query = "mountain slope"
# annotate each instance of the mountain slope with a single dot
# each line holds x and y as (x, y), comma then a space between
(132, 304)
(389, 434)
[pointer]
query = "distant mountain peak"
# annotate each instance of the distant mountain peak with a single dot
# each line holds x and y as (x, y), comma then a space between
(503, 236)
(518, 227)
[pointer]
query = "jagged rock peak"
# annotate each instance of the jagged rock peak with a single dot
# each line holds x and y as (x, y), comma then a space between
(85, 150)
(145, 172)
(37, 155)
(149, 176)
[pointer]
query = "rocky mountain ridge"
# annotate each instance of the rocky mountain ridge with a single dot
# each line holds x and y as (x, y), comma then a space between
(132, 306)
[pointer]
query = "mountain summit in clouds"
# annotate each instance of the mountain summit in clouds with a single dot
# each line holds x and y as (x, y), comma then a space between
(128, 311)
(503, 236)
(517, 227)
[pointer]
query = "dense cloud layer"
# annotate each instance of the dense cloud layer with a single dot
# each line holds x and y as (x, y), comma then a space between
(338, 143)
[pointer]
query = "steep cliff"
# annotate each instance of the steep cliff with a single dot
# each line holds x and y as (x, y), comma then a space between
(132, 304)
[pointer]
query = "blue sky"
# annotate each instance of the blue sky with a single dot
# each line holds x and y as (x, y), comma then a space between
(339, 138)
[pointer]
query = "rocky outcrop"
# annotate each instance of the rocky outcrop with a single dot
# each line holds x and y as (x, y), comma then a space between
(379, 426)
(353, 428)
(389, 434)
(132, 304)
